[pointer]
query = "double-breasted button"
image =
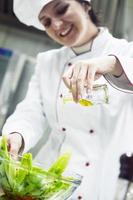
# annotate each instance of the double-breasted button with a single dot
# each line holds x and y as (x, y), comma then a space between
(61, 95)
(80, 197)
(69, 64)
(91, 131)
(63, 129)
(87, 164)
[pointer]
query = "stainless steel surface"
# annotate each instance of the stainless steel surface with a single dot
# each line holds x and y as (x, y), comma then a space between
(112, 14)
(22, 86)
(15, 73)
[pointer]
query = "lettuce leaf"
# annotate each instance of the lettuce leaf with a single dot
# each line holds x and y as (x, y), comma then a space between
(60, 165)
(22, 178)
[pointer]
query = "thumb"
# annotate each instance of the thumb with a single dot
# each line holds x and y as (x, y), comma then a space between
(14, 150)
(97, 76)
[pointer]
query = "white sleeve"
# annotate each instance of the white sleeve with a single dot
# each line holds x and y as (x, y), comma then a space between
(124, 82)
(28, 119)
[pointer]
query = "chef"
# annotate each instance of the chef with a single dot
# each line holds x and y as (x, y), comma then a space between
(92, 62)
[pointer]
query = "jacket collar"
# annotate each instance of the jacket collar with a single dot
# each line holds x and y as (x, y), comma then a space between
(97, 45)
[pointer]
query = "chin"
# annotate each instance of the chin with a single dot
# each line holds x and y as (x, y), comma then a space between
(71, 40)
(77, 42)
(67, 43)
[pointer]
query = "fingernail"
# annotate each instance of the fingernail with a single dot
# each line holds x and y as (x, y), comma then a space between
(79, 97)
(89, 91)
(75, 100)
(91, 87)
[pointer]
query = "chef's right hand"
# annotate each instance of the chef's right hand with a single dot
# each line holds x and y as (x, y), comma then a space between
(15, 142)
(82, 74)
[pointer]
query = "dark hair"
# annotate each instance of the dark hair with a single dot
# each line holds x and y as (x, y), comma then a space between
(91, 12)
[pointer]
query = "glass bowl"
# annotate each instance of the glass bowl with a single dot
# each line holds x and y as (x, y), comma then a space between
(32, 182)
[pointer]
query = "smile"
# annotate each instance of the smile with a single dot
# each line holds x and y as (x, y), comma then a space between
(66, 32)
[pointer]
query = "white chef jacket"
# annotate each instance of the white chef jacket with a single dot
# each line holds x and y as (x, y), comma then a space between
(96, 135)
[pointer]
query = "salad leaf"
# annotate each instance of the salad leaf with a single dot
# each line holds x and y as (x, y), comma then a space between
(21, 179)
(3, 198)
(4, 148)
(24, 167)
(60, 165)
(7, 164)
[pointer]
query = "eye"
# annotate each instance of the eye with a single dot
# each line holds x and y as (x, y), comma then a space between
(46, 22)
(62, 9)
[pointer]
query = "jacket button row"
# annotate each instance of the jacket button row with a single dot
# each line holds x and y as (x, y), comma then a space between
(79, 197)
(63, 129)
(91, 131)
(69, 64)
(87, 164)
(61, 95)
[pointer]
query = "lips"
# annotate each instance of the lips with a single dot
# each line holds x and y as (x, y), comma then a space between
(65, 32)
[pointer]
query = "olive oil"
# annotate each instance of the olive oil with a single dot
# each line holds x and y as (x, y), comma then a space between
(99, 95)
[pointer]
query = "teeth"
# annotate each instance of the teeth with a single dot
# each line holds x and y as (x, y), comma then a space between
(65, 32)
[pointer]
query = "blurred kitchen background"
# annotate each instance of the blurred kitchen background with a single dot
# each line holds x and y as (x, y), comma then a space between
(20, 44)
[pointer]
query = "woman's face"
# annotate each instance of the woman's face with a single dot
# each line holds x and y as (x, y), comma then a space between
(67, 22)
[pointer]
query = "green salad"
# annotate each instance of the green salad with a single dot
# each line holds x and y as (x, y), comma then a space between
(21, 180)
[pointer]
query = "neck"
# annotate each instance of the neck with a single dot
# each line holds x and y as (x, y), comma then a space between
(85, 47)
(92, 34)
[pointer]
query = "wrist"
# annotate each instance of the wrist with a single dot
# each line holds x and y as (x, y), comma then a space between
(117, 69)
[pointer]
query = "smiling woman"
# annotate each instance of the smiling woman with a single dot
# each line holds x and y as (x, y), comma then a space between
(67, 22)
(71, 92)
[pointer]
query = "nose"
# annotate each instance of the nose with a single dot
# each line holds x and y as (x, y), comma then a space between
(57, 23)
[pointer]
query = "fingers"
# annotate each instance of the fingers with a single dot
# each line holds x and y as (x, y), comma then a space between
(67, 77)
(90, 77)
(74, 79)
(81, 75)
(73, 82)
(81, 82)
(14, 144)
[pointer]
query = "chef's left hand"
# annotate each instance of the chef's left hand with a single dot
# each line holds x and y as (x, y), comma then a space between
(83, 73)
